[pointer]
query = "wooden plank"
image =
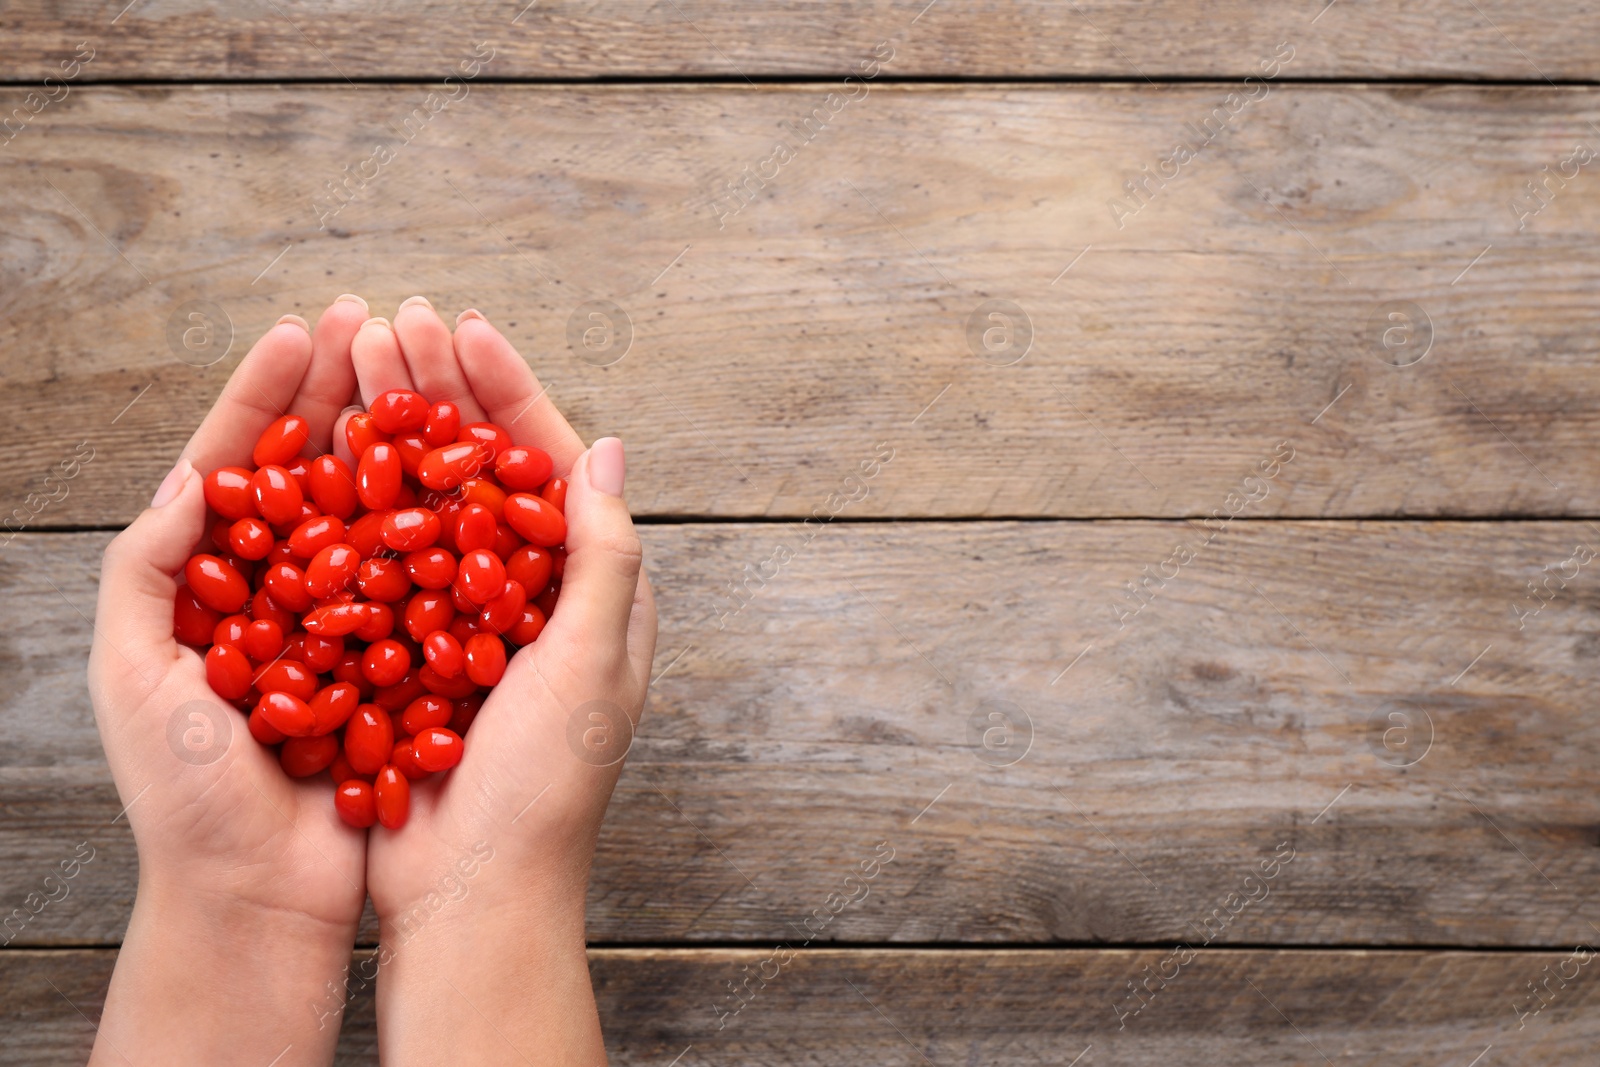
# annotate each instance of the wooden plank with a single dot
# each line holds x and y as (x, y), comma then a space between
(1248, 1007)
(1244, 304)
(1351, 704)
(165, 39)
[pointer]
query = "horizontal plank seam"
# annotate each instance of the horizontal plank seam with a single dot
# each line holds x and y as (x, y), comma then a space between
(799, 80)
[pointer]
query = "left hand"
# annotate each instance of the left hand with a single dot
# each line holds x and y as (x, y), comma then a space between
(250, 887)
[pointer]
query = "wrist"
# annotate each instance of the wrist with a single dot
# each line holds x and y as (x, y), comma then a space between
(462, 982)
(247, 979)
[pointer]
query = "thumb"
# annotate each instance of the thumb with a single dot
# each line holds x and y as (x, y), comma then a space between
(603, 555)
(137, 584)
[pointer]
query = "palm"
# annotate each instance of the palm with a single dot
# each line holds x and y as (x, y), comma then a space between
(233, 809)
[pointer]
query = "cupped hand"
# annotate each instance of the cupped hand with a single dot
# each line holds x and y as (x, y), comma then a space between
(209, 807)
(545, 750)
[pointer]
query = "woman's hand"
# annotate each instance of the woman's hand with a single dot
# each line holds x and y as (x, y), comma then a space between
(481, 894)
(250, 887)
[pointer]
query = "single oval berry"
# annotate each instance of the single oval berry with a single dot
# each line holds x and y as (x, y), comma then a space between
(523, 467)
(437, 748)
(280, 443)
(535, 519)
(399, 410)
(356, 803)
(393, 797)
(215, 583)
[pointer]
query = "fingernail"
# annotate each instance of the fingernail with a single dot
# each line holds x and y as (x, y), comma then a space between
(415, 300)
(470, 313)
(171, 484)
(376, 320)
(608, 466)
(353, 298)
(297, 320)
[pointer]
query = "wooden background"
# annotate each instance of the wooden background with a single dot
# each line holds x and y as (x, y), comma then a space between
(1351, 671)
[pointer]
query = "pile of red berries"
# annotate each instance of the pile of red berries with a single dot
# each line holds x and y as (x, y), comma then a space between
(360, 618)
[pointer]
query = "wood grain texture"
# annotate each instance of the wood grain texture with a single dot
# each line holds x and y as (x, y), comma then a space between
(1241, 306)
(203, 39)
(829, 1007)
(1354, 696)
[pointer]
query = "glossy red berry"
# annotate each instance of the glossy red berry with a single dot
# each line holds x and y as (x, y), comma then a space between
(529, 566)
(215, 583)
(263, 640)
(332, 570)
(443, 653)
(486, 658)
(277, 495)
(488, 434)
(446, 467)
(523, 467)
(228, 671)
(320, 652)
(399, 410)
(526, 630)
(335, 620)
(378, 476)
(333, 486)
(481, 576)
(431, 568)
(286, 584)
(316, 534)
(393, 797)
(368, 738)
(333, 705)
(228, 493)
(280, 443)
(475, 528)
(444, 422)
(287, 676)
(437, 749)
(192, 620)
(287, 713)
(251, 538)
(302, 757)
(386, 662)
(427, 611)
(410, 529)
(356, 803)
(500, 613)
(405, 761)
(535, 519)
(361, 433)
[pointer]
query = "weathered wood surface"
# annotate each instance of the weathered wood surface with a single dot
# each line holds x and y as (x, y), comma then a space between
(1260, 705)
(187, 40)
(829, 1007)
(1233, 311)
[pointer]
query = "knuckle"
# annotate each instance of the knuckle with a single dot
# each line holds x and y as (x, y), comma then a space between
(117, 554)
(624, 549)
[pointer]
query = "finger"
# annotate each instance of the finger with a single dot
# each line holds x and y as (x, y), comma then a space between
(260, 390)
(512, 396)
(134, 617)
(601, 581)
(431, 357)
(330, 381)
(379, 364)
